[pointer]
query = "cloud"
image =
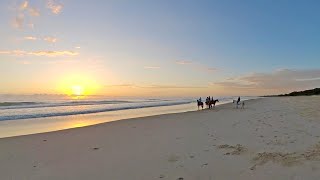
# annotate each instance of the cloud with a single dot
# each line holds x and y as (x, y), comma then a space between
(234, 84)
(50, 39)
(39, 53)
(210, 69)
(30, 38)
(25, 62)
(171, 87)
(55, 7)
(281, 80)
(31, 25)
(309, 79)
(18, 21)
(24, 5)
(14, 52)
(156, 86)
(121, 85)
(34, 11)
(183, 62)
(54, 53)
(24, 10)
(196, 66)
(151, 67)
(78, 47)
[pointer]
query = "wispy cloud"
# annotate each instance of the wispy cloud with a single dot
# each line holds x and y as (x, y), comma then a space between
(54, 6)
(183, 62)
(196, 66)
(121, 85)
(18, 21)
(211, 69)
(309, 79)
(51, 39)
(151, 67)
(39, 53)
(24, 5)
(31, 25)
(171, 87)
(54, 53)
(14, 52)
(25, 62)
(156, 86)
(47, 39)
(34, 11)
(30, 38)
(24, 11)
(281, 80)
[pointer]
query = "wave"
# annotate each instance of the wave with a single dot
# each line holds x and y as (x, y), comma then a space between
(91, 111)
(16, 103)
(22, 105)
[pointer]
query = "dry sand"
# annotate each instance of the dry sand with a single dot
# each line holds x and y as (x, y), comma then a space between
(272, 138)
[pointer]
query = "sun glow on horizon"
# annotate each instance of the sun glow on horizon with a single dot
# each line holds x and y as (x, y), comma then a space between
(77, 90)
(78, 86)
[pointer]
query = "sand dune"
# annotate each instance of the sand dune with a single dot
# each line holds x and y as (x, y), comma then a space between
(272, 138)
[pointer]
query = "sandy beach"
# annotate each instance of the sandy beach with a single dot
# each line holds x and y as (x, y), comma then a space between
(272, 138)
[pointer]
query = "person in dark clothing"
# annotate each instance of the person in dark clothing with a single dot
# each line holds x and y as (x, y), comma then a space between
(238, 100)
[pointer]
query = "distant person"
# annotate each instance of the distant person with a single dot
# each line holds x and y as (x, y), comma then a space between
(238, 100)
(200, 100)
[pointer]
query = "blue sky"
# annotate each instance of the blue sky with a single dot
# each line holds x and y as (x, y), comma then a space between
(161, 46)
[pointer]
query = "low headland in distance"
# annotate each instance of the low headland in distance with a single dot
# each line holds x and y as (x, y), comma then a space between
(310, 92)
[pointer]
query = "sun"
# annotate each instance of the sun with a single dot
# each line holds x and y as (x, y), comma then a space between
(78, 85)
(77, 90)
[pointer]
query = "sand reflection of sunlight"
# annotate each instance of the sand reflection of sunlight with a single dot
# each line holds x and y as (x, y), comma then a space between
(79, 124)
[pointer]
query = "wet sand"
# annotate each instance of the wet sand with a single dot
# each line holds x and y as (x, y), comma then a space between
(272, 138)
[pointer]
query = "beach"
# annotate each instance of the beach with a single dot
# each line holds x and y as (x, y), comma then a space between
(271, 138)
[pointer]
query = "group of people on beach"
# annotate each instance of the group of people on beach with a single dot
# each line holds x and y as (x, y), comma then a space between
(207, 99)
(210, 102)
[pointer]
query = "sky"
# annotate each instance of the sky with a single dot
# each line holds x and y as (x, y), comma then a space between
(159, 48)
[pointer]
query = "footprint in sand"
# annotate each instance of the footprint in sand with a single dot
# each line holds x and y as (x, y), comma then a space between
(205, 164)
(236, 150)
(285, 159)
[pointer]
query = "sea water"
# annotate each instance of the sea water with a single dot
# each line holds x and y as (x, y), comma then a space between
(30, 114)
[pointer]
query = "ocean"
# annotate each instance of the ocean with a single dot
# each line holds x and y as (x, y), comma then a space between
(29, 114)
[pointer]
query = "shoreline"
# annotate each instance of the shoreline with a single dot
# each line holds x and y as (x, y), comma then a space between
(81, 120)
